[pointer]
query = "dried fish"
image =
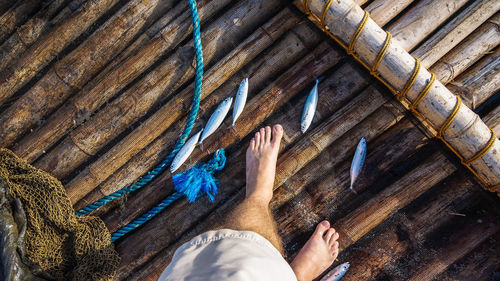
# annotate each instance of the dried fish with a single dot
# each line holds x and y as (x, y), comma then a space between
(358, 161)
(337, 273)
(216, 119)
(240, 100)
(309, 108)
(184, 152)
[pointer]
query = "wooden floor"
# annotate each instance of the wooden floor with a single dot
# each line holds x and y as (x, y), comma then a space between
(98, 124)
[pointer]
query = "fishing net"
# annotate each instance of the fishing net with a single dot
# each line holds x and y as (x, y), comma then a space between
(64, 246)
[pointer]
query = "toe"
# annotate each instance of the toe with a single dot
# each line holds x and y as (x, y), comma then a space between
(277, 134)
(329, 233)
(333, 238)
(268, 134)
(335, 248)
(257, 140)
(262, 136)
(322, 228)
(252, 144)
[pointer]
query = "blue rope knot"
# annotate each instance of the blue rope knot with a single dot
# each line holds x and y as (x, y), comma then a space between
(199, 179)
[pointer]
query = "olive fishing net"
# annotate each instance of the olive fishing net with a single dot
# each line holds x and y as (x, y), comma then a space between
(38, 220)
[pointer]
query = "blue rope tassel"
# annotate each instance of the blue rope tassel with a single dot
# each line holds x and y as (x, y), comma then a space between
(191, 183)
(187, 128)
(198, 180)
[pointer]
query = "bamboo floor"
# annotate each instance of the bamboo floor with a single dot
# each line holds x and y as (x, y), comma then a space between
(97, 92)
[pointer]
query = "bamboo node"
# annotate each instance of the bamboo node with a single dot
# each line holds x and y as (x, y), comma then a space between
(410, 81)
(383, 50)
(450, 118)
(323, 12)
(424, 92)
(483, 151)
(350, 49)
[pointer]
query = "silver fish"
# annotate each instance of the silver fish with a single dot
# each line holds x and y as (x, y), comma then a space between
(309, 108)
(240, 100)
(216, 118)
(337, 273)
(184, 152)
(358, 161)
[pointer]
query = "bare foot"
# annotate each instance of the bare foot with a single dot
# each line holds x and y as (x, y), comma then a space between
(319, 252)
(262, 155)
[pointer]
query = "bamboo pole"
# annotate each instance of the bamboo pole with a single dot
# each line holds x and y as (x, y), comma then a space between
(92, 177)
(458, 245)
(383, 11)
(481, 42)
(476, 85)
(46, 49)
(123, 70)
(467, 134)
(155, 87)
(164, 118)
(30, 31)
(15, 16)
(431, 13)
(456, 31)
(75, 69)
(480, 264)
(386, 247)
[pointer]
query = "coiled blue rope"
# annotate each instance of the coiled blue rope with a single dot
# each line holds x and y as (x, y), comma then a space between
(167, 161)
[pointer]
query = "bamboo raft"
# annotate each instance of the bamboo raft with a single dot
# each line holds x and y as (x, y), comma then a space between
(97, 93)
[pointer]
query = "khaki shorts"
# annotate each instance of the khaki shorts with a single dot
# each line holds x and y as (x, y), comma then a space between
(228, 255)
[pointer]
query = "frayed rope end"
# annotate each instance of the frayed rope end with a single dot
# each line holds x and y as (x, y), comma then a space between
(199, 179)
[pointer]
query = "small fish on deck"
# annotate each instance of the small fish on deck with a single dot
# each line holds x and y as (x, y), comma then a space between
(184, 152)
(358, 162)
(309, 108)
(337, 273)
(240, 99)
(216, 118)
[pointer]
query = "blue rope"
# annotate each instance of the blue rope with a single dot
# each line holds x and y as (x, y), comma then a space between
(167, 161)
(215, 164)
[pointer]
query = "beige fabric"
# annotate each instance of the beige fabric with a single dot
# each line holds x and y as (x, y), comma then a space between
(228, 255)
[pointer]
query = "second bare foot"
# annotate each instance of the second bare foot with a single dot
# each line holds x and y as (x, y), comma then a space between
(319, 252)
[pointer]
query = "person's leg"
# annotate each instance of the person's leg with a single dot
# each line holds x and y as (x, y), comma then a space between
(253, 213)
